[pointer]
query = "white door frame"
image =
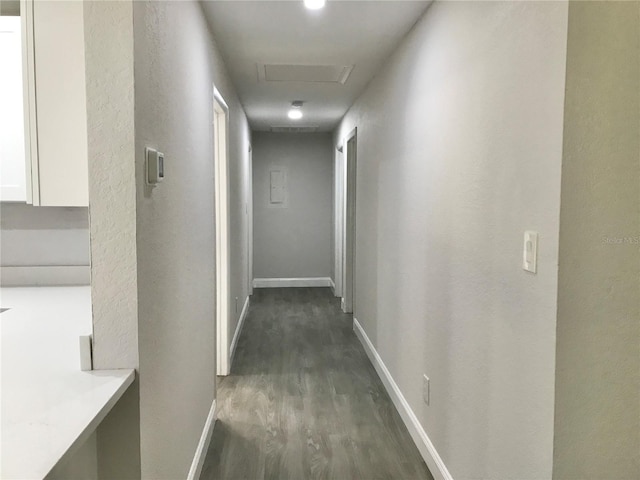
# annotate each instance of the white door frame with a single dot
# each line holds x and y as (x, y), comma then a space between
(250, 222)
(221, 167)
(338, 219)
(350, 149)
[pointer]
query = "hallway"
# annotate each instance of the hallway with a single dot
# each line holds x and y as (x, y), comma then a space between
(303, 400)
(223, 179)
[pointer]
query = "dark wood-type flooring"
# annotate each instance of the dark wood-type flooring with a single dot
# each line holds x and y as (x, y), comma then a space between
(304, 402)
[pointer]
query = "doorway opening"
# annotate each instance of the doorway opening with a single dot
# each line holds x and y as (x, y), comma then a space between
(349, 237)
(249, 210)
(221, 188)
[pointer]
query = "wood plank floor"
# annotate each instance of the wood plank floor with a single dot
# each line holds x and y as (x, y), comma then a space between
(304, 402)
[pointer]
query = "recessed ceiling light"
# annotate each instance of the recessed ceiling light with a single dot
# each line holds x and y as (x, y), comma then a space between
(314, 4)
(295, 113)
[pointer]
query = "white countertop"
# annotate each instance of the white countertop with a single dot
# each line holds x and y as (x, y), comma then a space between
(48, 406)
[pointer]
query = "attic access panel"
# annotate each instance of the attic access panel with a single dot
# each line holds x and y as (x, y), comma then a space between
(288, 129)
(304, 73)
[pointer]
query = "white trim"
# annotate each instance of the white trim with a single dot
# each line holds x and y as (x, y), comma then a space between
(203, 445)
(338, 219)
(29, 100)
(218, 97)
(427, 450)
(222, 216)
(332, 285)
(236, 336)
(350, 160)
(291, 282)
(250, 221)
(45, 275)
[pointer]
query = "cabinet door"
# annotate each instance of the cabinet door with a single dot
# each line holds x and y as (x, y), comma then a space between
(59, 158)
(13, 173)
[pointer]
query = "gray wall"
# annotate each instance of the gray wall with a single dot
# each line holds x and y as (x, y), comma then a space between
(153, 265)
(597, 415)
(176, 65)
(293, 241)
(44, 245)
(10, 7)
(43, 236)
(459, 152)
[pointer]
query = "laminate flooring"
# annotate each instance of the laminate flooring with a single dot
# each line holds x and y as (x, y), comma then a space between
(304, 402)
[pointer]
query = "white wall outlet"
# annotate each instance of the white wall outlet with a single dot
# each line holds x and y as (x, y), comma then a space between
(425, 389)
(530, 251)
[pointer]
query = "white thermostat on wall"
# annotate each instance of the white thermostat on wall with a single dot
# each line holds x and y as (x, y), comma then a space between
(155, 166)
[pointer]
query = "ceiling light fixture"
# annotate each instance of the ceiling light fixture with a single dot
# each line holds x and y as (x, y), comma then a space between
(314, 4)
(295, 113)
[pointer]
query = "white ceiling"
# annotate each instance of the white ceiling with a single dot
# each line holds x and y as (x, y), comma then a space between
(344, 33)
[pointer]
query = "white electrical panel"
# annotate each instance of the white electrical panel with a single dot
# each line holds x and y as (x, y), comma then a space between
(277, 186)
(278, 192)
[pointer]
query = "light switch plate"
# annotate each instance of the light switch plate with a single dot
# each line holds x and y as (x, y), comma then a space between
(155, 166)
(530, 251)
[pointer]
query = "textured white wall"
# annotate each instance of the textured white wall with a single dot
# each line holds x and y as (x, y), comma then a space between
(108, 28)
(176, 65)
(459, 152)
(295, 241)
(112, 187)
(597, 426)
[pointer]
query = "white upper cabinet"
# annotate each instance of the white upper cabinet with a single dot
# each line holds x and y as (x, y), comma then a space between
(13, 172)
(55, 102)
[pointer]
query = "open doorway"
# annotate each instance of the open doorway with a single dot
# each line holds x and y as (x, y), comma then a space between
(249, 210)
(349, 245)
(338, 215)
(221, 187)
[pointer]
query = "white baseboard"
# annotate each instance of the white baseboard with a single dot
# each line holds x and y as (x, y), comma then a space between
(203, 445)
(332, 285)
(291, 282)
(236, 335)
(422, 441)
(46, 275)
